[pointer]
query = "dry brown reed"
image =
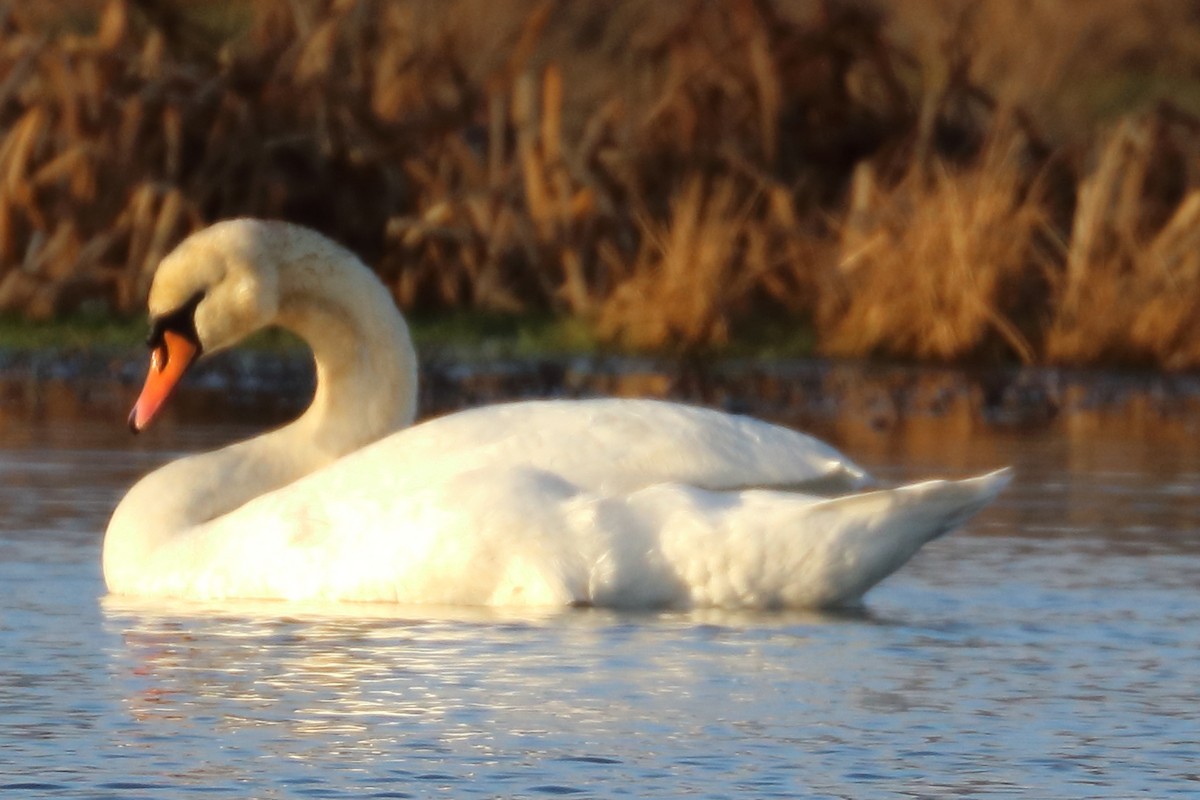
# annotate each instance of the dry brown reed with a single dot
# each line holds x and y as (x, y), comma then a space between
(1130, 290)
(670, 172)
(935, 267)
(681, 187)
(695, 270)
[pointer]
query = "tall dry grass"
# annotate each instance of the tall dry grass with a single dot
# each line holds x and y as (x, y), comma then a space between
(940, 264)
(1130, 289)
(894, 175)
(696, 268)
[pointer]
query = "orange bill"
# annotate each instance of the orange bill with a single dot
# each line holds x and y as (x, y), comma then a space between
(168, 362)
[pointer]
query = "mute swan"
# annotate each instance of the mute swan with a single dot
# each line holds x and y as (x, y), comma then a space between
(622, 503)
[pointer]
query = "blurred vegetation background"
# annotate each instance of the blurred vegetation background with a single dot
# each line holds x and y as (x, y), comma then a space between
(978, 181)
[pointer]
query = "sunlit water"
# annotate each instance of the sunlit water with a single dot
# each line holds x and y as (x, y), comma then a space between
(1050, 650)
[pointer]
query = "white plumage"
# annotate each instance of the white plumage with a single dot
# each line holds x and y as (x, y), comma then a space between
(622, 503)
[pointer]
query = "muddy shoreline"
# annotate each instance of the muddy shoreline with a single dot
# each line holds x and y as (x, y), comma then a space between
(270, 386)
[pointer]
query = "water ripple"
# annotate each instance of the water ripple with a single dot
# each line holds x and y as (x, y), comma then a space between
(1048, 652)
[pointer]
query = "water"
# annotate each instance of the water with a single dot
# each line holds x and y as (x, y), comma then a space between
(1050, 650)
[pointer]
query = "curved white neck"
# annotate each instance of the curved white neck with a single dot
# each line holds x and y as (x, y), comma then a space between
(365, 362)
(366, 388)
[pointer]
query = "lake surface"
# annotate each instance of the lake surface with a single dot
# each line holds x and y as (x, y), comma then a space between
(1052, 649)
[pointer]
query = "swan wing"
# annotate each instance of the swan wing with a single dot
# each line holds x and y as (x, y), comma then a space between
(619, 446)
(522, 536)
(766, 549)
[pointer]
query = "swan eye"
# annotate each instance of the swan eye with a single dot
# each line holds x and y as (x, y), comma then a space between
(181, 321)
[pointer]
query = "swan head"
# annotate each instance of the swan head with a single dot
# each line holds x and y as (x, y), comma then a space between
(218, 286)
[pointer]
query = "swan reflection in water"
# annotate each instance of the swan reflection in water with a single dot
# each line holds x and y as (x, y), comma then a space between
(316, 668)
(511, 698)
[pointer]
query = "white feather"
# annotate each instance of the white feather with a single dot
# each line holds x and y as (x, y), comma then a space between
(623, 503)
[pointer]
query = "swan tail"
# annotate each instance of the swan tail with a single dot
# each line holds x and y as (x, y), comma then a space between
(764, 549)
